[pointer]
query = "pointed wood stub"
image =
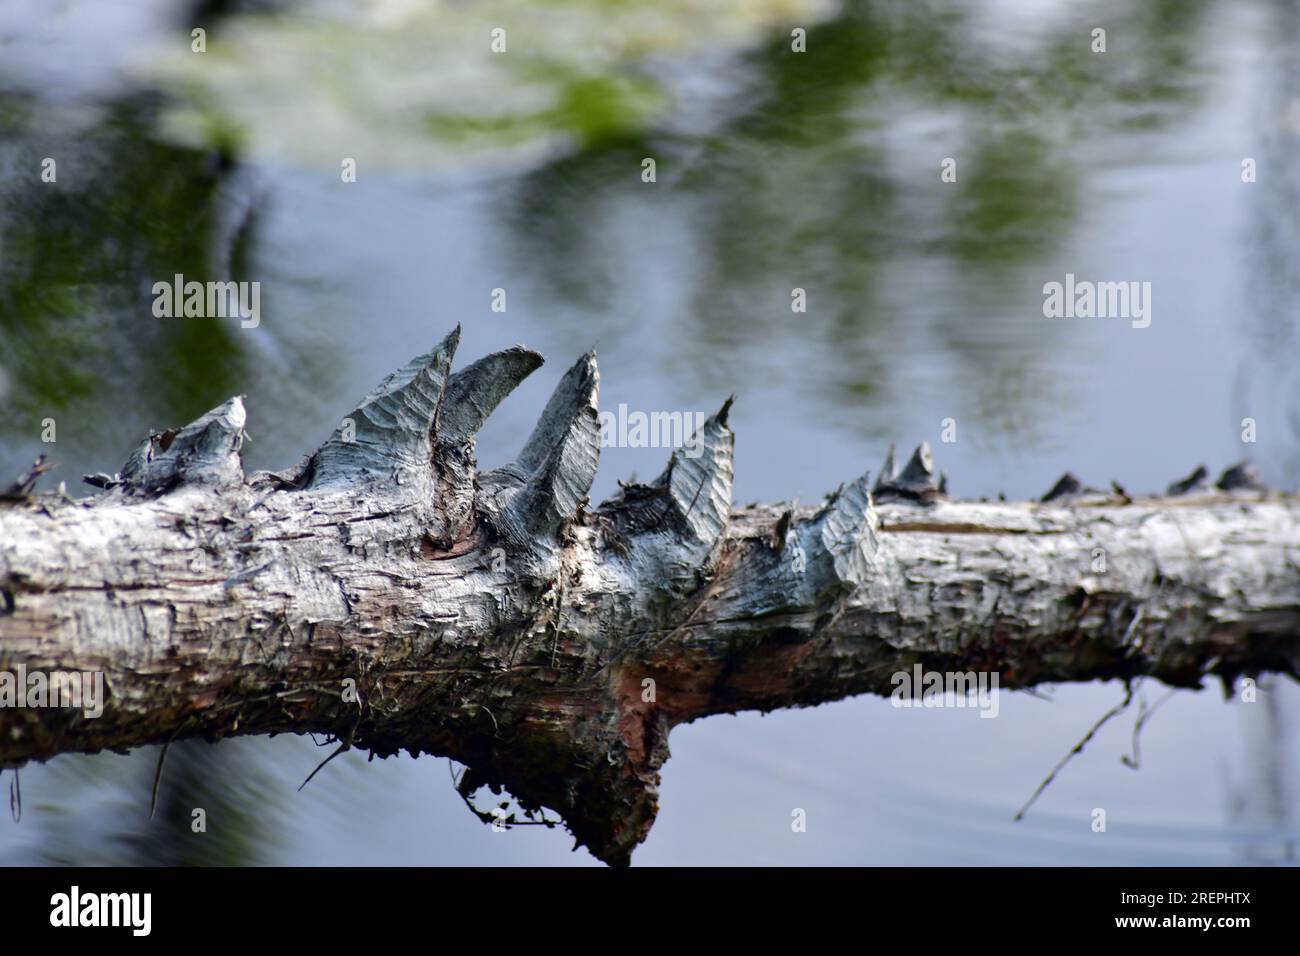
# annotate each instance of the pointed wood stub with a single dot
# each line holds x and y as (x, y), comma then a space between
(472, 395)
(388, 438)
(204, 452)
(554, 472)
(846, 529)
(699, 479)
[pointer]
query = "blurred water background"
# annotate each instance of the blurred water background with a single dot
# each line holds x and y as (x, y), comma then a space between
(775, 170)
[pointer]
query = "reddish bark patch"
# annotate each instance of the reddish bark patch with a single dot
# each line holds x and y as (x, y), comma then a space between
(746, 678)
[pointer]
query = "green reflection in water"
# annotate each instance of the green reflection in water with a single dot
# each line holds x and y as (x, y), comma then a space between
(80, 257)
(817, 170)
(822, 173)
(99, 815)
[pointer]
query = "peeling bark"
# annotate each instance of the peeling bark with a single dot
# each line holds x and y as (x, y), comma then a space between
(501, 620)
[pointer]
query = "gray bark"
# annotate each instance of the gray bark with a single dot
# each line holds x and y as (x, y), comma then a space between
(501, 620)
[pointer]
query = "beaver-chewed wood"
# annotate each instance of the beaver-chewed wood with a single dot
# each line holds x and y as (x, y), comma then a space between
(551, 645)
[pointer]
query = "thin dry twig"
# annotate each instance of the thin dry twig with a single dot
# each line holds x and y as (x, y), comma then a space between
(1145, 713)
(1078, 749)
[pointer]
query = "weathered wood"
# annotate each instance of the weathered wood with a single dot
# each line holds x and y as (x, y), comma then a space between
(550, 646)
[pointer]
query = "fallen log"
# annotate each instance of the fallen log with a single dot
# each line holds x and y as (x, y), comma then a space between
(386, 593)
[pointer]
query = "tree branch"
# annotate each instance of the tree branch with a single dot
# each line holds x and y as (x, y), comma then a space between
(386, 593)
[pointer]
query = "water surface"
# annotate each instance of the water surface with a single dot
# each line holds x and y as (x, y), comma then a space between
(774, 171)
